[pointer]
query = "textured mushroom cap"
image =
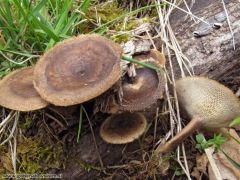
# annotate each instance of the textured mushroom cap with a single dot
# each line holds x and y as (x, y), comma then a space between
(140, 93)
(214, 103)
(77, 70)
(153, 56)
(17, 91)
(123, 128)
(158, 56)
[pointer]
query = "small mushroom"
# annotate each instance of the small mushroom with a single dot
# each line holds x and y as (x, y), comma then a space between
(209, 104)
(141, 91)
(77, 70)
(123, 128)
(17, 91)
(144, 88)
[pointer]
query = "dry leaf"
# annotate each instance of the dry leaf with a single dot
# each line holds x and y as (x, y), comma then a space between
(201, 166)
(226, 168)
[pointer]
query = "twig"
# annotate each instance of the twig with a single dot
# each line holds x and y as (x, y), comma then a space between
(13, 149)
(94, 140)
(229, 23)
(13, 129)
(190, 14)
(215, 169)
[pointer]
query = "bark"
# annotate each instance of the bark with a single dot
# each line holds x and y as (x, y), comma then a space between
(211, 55)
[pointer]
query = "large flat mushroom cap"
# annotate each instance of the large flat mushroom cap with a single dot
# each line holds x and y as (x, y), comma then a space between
(214, 103)
(123, 128)
(17, 91)
(77, 70)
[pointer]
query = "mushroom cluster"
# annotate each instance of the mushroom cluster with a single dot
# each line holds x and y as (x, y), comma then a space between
(77, 70)
(72, 72)
(139, 92)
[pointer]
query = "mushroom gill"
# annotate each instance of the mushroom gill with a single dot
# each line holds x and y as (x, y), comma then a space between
(141, 91)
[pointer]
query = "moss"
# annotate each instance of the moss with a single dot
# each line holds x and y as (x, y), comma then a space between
(5, 161)
(121, 38)
(105, 11)
(26, 123)
(35, 156)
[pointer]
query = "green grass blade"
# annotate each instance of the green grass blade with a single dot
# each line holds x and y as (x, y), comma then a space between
(8, 15)
(233, 162)
(80, 124)
(84, 6)
(40, 5)
(140, 63)
(235, 122)
(63, 16)
(46, 29)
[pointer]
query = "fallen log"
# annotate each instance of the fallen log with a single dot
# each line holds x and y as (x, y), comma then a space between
(216, 53)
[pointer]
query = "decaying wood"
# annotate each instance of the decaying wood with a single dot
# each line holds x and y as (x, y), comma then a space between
(211, 55)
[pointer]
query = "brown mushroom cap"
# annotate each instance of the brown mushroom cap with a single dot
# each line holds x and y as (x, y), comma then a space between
(77, 70)
(144, 90)
(123, 128)
(212, 102)
(17, 91)
(153, 56)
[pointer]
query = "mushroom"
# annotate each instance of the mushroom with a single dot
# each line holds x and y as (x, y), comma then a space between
(209, 104)
(141, 91)
(123, 128)
(17, 91)
(77, 70)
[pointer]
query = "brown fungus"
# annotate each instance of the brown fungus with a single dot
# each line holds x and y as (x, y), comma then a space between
(77, 70)
(17, 91)
(152, 56)
(209, 104)
(141, 91)
(123, 128)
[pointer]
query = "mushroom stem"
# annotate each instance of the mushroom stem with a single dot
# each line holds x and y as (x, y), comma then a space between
(192, 126)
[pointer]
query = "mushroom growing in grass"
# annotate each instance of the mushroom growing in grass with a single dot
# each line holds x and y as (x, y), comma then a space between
(209, 104)
(123, 128)
(17, 91)
(77, 70)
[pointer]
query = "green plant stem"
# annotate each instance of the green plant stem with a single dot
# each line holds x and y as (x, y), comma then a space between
(234, 138)
(80, 124)
(140, 63)
(233, 162)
